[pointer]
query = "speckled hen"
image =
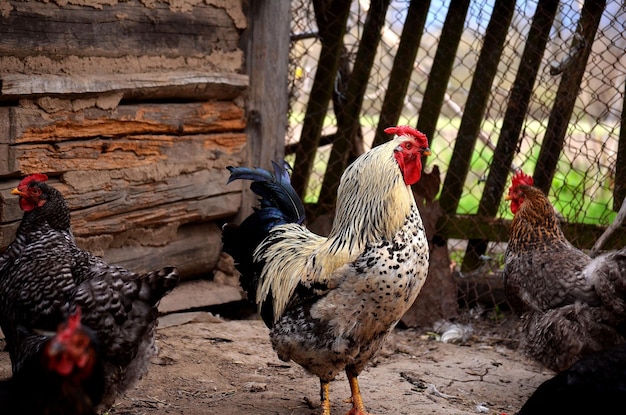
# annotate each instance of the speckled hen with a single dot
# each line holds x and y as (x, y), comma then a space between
(570, 304)
(330, 303)
(44, 276)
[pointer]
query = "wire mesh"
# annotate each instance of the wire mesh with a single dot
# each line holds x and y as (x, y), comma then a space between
(582, 187)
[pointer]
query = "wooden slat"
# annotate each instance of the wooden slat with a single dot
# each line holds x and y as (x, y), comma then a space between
(486, 69)
(177, 152)
(119, 29)
(182, 84)
(403, 67)
(331, 20)
(30, 125)
(357, 84)
(619, 193)
(470, 227)
(561, 112)
(519, 99)
(441, 68)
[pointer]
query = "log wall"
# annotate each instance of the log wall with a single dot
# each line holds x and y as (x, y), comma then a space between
(133, 109)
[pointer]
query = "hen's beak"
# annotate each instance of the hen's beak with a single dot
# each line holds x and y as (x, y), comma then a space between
(508, 197)
(18, 192)
(426, 152)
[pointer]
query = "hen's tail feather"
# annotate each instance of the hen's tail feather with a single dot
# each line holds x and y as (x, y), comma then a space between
(278, 204)
(156, 284)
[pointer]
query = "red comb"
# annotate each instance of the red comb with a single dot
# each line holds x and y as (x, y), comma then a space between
(410, 131)
(73, 323)
(521, 178)
(39, 177)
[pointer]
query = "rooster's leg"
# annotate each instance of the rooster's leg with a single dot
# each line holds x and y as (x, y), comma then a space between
(357, 401)
(325, 397)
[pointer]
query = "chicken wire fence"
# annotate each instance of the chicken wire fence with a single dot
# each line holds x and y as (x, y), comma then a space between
(558, 121)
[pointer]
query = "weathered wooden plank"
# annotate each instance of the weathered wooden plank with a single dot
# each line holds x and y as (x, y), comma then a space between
(486, 69)
(118, 29)
(349, 125)
(195, 251)
(566, 95)
(442, 67)
(497, 230)
(514, 116)
(174, 152)
(31, 125)
(619, 193)
(182, 85)
(403, 67)
(198, 294)
(331, 20)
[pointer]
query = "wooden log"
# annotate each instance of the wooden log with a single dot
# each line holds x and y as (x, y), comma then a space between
(195, 251)
(136, 86)
(120, 28)
(182, 153)
(31, 125)
(619, 193)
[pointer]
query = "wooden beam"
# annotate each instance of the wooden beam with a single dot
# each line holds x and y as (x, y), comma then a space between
(119, 28)
(177, 84)
(30, 125)
(470, 227)
(268, 95)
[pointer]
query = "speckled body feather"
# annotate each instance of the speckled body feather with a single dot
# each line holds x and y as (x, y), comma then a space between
(330, 302)
(44, 276)
(570, 304)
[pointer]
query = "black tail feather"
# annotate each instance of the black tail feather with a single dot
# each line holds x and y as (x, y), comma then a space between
(278, 204)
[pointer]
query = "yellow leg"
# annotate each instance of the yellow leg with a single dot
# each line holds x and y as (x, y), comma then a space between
(357, 401)
(325, 397)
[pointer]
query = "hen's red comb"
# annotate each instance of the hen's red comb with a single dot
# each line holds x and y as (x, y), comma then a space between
(406, 130)
(521, 178)
(39, 177)
(73, 323)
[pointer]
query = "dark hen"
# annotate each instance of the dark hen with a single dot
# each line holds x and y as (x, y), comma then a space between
(569, 303)
(63, 376)
(44, 276)
(596, 384)
(330, 303)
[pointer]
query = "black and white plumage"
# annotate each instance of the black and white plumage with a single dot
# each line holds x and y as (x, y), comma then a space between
(330, 303)
(44, 276)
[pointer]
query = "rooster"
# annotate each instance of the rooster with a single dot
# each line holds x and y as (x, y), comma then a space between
(330, 302)
(64, 376)
(44, 276)
(570, 304)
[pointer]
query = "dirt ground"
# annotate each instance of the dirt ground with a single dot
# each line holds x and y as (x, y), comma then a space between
(207, 365)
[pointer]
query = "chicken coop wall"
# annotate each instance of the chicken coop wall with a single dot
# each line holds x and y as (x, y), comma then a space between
(133, 109)
(495, 85)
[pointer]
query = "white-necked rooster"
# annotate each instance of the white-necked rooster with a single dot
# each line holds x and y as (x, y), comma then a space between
(44, 276)
(330, 302)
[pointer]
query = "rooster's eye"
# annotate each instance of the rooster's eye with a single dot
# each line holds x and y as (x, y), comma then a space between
(408, 146)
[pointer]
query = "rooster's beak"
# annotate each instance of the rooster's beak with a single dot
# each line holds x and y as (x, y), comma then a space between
(508, 197)
(18, 192)
(426, 152)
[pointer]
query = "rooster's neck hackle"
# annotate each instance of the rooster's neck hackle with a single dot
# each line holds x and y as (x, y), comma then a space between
(373, 201)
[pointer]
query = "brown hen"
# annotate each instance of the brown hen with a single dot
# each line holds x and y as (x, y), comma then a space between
(570, 304)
